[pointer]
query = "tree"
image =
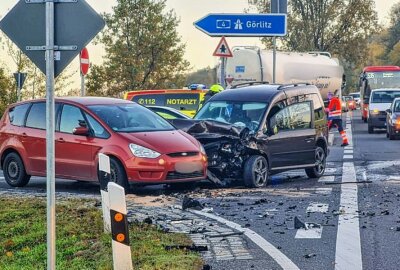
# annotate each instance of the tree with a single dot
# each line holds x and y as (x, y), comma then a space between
(35, 84)
(143, 49)
(205, 76)
(341, 27)
(7, 95)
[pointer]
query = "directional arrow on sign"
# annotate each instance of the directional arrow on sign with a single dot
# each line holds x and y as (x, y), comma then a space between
(249, 25)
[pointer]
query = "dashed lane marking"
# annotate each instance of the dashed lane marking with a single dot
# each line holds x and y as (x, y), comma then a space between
(348, 157)
(309, 233)
(317, 208)
(267, 247)
(331, 136)
(348, 241)
(329, 178)
(350, 151)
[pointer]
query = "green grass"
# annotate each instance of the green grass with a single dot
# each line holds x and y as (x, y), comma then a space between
(81, 243)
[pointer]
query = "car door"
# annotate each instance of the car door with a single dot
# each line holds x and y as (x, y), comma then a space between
(33, 138)
(73, 152)
(292, 136)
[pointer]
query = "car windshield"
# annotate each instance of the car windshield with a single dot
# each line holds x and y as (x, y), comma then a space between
(355, 95)
(130, 118)
(347, 98)
(384, 96)
(241, 114)
(396, 107)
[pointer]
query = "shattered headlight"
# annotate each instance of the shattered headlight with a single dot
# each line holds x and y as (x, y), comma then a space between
(143, 152)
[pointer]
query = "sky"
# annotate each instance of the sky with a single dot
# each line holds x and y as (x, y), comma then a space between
(199, 46)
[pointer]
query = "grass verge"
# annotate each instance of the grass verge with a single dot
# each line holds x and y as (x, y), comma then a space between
(81, 243)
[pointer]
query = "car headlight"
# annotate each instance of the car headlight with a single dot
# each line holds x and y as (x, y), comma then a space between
(375, 111)
(143, 152)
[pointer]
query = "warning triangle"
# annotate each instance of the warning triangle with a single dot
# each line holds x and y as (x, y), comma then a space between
(222, 49)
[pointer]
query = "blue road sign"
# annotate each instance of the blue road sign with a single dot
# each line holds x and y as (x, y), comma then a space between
(245, 25)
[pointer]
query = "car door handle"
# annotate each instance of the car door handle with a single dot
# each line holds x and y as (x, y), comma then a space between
(309, 140)
(61, 140)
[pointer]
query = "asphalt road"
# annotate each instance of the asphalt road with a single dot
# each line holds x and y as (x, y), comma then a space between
(352, 214)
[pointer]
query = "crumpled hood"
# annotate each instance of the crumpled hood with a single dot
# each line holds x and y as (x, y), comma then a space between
(208, 128)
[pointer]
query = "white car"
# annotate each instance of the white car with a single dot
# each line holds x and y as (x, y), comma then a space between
(356, 97)
(379, 101)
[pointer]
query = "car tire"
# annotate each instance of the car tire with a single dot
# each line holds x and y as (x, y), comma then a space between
(370, 129)
(391, 136)
(319, 169)
(14, 171)
(118, 174)
(256, 172)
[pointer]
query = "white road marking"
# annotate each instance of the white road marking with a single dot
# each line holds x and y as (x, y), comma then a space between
(1, 177)
(330, 170)
(329, 178)
(272, 251)
(331, 136)
(317, 207)
(310, 233)
(323, 191)
(348, 157)
(348, 241)
(350, 151)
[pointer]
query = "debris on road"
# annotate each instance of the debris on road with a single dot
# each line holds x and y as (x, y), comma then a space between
(189, 203)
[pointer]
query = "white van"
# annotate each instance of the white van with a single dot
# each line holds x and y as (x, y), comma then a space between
(379, 101)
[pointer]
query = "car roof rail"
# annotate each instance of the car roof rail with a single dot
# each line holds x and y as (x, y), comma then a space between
(284, 86)
(240, 85)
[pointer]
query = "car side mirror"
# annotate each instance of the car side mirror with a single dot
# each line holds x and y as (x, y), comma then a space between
(81, 131)
(389, 111)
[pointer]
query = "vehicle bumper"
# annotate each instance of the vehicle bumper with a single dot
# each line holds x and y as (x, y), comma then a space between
(166, 169)
(395, 129)
(377, 120)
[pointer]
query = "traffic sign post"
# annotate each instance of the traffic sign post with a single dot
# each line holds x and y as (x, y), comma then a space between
(85, 64)
(244, 25)
(51, 42)
(277, 6)
(20, 79)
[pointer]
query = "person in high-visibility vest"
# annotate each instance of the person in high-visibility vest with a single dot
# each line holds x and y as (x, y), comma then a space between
(214, 89)
(335, 117)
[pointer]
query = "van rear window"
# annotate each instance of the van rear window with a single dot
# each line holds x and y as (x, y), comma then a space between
(189, 102)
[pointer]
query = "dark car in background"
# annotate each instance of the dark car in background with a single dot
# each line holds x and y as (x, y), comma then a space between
(143, 147)
(254, 131)
(393, 120)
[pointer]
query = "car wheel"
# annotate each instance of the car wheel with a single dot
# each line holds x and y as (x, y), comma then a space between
(370, 129)
(118, 174)
(391, 136)
(256, 172)
(320, 164)
(14, 171)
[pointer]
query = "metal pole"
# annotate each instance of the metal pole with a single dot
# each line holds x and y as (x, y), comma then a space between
(222, 78)
(50, 165)
(274, 61)
(82, 85)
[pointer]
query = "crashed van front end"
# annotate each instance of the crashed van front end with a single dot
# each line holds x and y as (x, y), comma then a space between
(227, 147)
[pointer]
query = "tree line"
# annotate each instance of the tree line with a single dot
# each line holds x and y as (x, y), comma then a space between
(143, 49)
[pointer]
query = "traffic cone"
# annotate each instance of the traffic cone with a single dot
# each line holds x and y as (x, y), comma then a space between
(344, 138)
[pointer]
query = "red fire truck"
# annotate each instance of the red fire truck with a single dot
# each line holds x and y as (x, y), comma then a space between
(376, 77)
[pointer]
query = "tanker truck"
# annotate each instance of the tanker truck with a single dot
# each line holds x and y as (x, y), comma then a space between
(251, 64)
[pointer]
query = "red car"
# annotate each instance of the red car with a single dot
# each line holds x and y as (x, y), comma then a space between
(143, 147)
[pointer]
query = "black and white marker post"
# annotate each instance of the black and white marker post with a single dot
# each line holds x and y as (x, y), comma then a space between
(104, 178)
(115, 216)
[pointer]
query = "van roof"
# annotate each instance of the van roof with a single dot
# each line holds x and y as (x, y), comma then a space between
(264, 92)
(386, 89)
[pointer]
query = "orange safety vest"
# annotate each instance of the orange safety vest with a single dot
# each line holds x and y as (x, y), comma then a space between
(335, 109)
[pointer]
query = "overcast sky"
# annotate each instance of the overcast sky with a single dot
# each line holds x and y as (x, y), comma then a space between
(199, 47)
